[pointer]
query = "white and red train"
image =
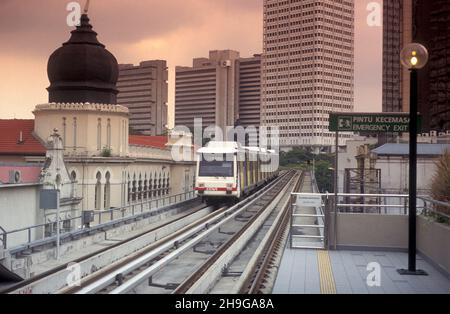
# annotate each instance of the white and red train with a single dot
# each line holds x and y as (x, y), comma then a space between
(229, 171)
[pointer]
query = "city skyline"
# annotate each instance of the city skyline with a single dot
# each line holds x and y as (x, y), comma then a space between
(31, 34)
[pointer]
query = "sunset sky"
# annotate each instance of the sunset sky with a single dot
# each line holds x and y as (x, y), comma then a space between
(137, 30)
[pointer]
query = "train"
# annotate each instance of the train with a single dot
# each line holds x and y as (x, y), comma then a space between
(228, 171)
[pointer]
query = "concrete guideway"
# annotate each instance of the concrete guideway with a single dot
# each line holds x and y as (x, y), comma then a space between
(56, 279)
(216, 269)
(133, 272)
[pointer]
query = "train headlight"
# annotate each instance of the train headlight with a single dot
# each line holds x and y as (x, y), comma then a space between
(201, 185)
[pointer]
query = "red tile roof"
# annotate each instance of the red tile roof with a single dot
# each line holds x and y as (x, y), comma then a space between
(149, 141)
(10, 135)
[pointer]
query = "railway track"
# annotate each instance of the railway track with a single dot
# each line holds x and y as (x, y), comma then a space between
(210, 273)
(37, 283)
(143, 267)
(258, 279)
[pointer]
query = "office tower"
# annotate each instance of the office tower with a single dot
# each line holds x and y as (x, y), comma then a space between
(250, 91)
(397, 32)
(432, 29)
(144, 90)
(223, 90)
(307, 68)
(428, 23)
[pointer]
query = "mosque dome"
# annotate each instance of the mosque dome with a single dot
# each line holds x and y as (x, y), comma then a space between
(83, 70)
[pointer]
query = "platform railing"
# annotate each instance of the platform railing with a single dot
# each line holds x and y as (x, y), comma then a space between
(436, 208)
(100, 218)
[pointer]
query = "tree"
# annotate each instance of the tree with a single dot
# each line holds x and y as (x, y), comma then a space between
(324, 176)
(441, 181)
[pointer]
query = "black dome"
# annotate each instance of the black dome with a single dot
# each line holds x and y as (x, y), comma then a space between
(82, 70)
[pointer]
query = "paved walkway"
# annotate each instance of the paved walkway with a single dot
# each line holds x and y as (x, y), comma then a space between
(345, 272)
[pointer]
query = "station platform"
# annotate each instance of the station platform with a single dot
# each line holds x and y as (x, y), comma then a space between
(308, 271)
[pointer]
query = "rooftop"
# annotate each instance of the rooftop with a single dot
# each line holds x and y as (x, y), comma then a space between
(394, 149)
(16, 138)
(149, 141)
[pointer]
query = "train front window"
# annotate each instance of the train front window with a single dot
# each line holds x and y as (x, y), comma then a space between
(216, 169)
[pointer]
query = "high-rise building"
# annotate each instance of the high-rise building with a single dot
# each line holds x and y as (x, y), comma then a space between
(307, 68)
(428, 23)
(431, 28)
(222, 90)
(397, 32)
(250, 91)
(144, 90)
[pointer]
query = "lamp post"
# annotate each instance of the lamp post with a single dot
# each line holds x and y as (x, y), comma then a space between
(413, 57)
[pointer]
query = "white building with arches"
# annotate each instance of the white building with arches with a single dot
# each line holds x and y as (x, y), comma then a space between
(106, 166)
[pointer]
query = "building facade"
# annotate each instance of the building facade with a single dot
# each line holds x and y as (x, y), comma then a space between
(428, 23)
(143, 89)
(223, 90)
(250, 91)
(307, 68)
(439, 70)
(79, 143)
(397, 32)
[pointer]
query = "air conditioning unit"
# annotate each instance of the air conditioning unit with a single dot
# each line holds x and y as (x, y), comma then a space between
(225, 63)
(15, 177)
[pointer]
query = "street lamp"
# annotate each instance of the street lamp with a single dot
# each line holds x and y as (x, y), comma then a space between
(413, 57)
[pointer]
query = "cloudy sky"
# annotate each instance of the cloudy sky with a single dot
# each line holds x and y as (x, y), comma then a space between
(136, 30)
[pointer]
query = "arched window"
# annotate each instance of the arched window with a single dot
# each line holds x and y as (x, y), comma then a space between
(107, 193)
(150, 184)
(168, 184)
(159, 185)
(134, 191)
(98, 192)
(145, 187)
(73, 176)
(155, 186)
(140, 188)
(99, 134)
(129, 188)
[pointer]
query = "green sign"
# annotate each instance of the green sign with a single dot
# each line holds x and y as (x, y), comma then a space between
(371, 122)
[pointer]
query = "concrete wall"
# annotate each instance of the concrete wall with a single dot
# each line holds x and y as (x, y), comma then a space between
(383, 232)
(18, 210)
(433, 241)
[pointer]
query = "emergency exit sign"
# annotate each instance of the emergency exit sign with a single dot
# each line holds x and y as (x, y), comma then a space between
(371, 122)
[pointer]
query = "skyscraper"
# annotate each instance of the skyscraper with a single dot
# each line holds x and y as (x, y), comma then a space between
(397, 32)
(222, 90)
(428, 23)
(437, 38)
(250, 91)
(307, 68)
(143, 89)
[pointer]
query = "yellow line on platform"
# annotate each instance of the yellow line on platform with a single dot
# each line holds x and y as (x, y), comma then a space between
(327, 283)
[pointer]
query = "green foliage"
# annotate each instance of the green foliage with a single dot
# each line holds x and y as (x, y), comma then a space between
(324, 176)
(441, 181)
(302, 159)
(106, 152)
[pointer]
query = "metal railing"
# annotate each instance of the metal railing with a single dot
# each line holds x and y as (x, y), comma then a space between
(384, 204)
(100, 217)
(433, 207)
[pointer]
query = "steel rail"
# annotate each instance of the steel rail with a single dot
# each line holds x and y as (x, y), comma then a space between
(191, 280)
(255, 281)
(47, 274)
(102, 281)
